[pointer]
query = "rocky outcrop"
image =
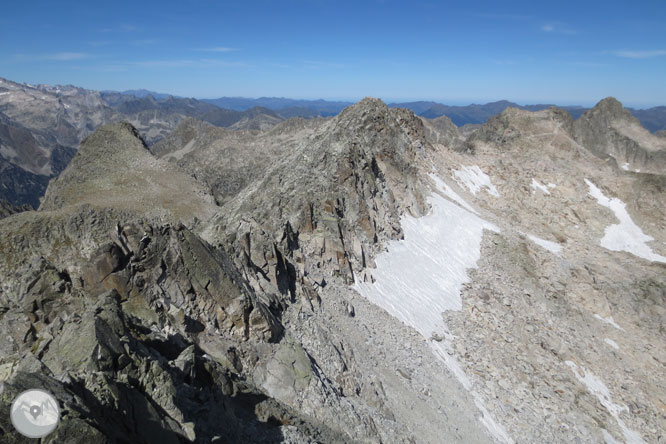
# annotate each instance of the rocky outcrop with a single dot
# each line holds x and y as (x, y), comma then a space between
(610, 130)
(7, 209)
(513, 123)
(320, 211)
(152, 329)
(140, 326)
(442, 130)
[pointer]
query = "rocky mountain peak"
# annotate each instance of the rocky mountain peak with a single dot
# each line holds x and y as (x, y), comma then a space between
(607, 111)
(366, 110)
(113, 139)
(113, 168)
(610, 131)
(359, 269)
(512, 124)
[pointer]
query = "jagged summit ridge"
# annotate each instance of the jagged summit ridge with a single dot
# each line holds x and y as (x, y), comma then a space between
(342, 188)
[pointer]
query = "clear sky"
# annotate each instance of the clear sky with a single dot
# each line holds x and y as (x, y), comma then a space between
(565, 52)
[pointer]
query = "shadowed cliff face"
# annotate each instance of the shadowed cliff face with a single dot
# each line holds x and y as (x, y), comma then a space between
(203, 290)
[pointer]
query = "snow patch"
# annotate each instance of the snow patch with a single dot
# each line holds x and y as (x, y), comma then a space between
(443, 186)
(612, 343)
(626, 166)
(608, 320)
(536, 185)
(420, 277)
(553, 247)
(474, 180)
(551, 185)
(598, 388)
(625, 236)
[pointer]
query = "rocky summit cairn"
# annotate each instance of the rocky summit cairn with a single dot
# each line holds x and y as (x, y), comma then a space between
(278, 285)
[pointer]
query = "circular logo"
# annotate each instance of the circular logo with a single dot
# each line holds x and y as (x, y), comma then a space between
(35, 413)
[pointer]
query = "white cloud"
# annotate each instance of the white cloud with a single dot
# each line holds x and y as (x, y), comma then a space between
(548, 28)
(642, 54)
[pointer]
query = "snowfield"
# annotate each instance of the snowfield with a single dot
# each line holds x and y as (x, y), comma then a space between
(474, 180)
(625, 236)
(420, 277)
(443, 186)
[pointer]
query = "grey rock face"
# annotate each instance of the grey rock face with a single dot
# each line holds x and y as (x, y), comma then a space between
(610, 130)
(442, 130)
(335, 198)
(121, 341)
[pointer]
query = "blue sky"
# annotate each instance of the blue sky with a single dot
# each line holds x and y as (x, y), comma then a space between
(459, 52)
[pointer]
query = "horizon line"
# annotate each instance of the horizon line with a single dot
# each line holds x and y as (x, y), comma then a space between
(388, 101)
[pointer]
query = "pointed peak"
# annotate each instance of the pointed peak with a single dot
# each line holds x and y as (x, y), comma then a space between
(371, 101)
(609, 103)
(609, 109)
(112, 139)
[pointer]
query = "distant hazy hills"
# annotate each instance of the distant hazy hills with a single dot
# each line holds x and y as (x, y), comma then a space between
(654, 119)
(463, 115)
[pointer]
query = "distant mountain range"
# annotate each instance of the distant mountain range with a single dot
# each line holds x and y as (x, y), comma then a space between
(41, 126)
(654, 119)
(476, 114)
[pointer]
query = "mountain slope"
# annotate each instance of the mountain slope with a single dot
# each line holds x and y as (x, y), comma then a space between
(113, 168)
(375, 269)
(225, 160)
